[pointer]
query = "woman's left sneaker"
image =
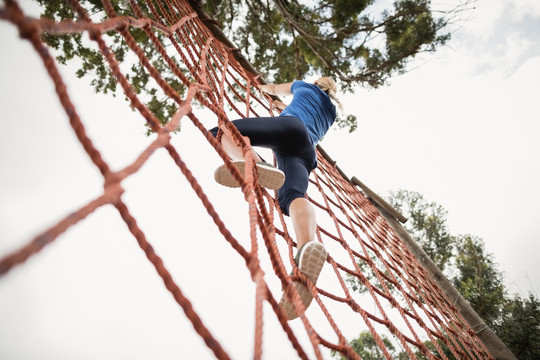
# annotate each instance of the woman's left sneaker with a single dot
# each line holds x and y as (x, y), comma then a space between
(269, 176)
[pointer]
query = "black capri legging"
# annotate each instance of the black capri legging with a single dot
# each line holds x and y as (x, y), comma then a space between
(289, 139)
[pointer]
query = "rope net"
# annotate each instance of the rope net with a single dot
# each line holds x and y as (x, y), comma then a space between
(370, 275)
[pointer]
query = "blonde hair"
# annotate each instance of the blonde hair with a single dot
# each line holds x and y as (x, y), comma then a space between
(329, 86)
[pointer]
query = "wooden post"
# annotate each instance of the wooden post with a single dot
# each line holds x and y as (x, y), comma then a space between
(376, 199)
(492, 342)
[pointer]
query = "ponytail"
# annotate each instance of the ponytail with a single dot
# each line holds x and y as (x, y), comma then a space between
(329, 86)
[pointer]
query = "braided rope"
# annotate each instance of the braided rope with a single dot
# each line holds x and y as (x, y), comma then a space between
(407, 305)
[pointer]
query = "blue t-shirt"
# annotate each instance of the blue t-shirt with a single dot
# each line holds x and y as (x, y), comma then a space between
(313, 106)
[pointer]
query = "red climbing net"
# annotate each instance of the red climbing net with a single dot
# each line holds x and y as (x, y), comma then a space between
(370, 272)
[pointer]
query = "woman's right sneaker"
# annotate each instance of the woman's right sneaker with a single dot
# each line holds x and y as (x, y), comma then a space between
(310, 260)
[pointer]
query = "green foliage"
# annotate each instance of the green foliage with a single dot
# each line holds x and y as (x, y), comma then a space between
(283, 39)
(433, 351)
(478, 279)
(519, 328)
(344, 38)
(474, 274)
(91, 64)
(348, 122)
(365, 346)
(426, 224)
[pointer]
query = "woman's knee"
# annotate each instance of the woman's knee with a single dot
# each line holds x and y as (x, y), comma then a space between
(287, 197)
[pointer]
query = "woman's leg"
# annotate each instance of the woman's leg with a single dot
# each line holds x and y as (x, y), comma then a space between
(311, 254)
(289, 139)
(282, 132)
(269, 132)
(234, 151)
(296, 157)
(303, 218)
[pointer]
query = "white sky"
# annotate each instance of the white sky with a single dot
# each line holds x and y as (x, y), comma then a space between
(462, 129)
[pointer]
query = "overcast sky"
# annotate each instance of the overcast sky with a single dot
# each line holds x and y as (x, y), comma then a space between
(462, 129)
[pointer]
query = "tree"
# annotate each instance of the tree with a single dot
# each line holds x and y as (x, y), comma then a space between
(358, 41)
(519, 328)
(365, 346)
(474, 274)
(74, 47)
(478, 280)
(473, 271)
(427, 225)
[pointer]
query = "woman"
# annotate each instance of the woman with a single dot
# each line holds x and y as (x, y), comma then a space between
(292, 136)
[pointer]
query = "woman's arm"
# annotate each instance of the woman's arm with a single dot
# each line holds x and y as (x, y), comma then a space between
(277, 89)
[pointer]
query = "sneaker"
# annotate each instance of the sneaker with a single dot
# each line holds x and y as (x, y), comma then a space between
(269, 176)
(310, 260)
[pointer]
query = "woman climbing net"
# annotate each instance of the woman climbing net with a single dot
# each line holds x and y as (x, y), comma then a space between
(292, 136)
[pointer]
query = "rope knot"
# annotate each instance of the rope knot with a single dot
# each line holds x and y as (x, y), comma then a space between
(113, 188)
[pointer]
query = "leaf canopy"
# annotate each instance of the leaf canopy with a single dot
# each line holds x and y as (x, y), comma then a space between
(358, 42)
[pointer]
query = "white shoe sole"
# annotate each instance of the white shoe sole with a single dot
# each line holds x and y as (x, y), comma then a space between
(269, 177)
(311, 261)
